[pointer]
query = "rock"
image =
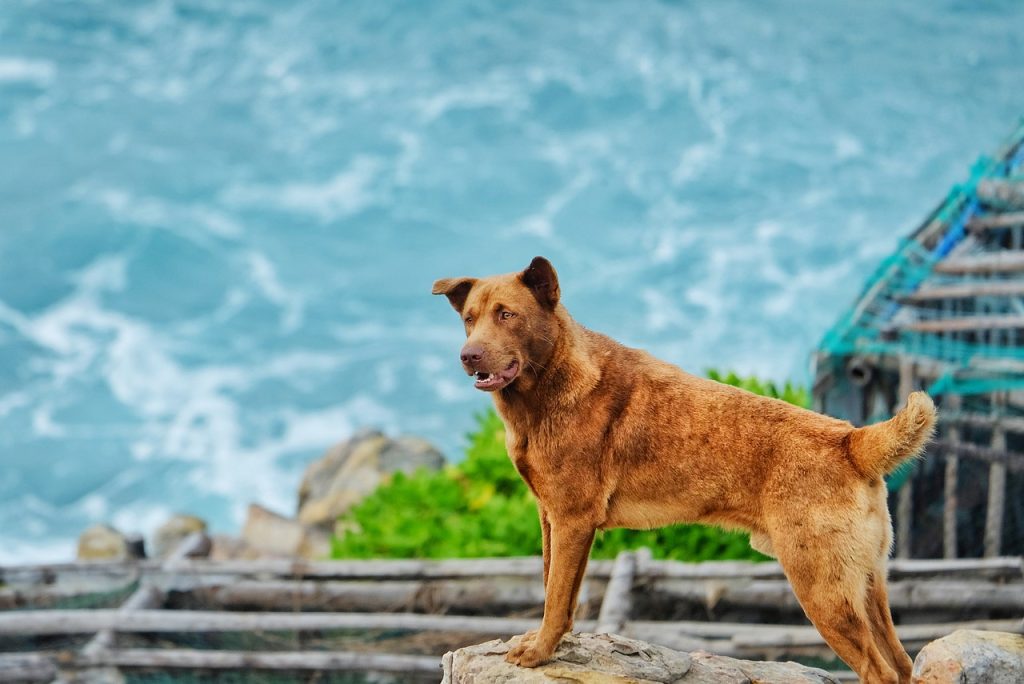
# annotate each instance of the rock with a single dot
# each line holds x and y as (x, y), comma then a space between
(103, 542)
(169, 535)
(268, 534)
(609, 658)
(972, 657)
(352, 469)
(226, 547)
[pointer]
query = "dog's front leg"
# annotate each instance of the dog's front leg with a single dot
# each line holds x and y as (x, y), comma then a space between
(570, 546)
(545, 536)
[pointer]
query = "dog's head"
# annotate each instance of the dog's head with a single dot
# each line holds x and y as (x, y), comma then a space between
(511, 322)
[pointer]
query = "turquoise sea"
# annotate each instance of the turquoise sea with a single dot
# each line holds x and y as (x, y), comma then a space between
(219, 221)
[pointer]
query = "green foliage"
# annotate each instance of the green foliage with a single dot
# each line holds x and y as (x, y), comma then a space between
(798, 396)
(481, 507)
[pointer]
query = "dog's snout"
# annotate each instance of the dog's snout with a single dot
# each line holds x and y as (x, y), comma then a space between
(471, 354)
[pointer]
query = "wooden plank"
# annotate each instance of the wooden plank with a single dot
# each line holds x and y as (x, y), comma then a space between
(994, 262)
(967, 290)
(615, 607)
(999, 220)
(965, 324)
(42, 622)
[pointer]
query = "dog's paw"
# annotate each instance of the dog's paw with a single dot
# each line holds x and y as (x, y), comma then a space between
(529, 654)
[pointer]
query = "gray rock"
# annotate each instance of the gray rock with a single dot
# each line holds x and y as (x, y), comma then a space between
(103, 542)
(972, 657)
(609, 658)
(169, 535)
(354, 468)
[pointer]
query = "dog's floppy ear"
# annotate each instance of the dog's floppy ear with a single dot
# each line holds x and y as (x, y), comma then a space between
(542, 280)
(455, 289)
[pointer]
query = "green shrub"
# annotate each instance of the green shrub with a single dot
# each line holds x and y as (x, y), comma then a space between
(481, 507)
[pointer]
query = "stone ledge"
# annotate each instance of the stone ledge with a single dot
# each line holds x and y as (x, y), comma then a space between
(612, 659)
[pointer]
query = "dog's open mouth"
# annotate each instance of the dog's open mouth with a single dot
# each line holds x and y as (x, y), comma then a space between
(495, 381)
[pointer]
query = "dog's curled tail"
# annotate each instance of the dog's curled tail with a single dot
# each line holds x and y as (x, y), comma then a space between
(878, 449)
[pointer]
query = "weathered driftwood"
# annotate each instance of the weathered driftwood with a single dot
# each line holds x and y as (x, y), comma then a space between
(31, 666)
(460, 595)
(43, 622)
(618, 595)
(966, 323)
(903, 595)
(996, 221)
(966, 290)
(207, 573)
(996, 262)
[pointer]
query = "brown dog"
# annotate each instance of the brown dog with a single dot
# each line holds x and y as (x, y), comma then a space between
(608, 436)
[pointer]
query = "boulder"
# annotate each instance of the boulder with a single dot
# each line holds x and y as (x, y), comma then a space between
(354, 468)
(268, 534)
(609, 658)
(169, 535)
(972, 657)
(103, 542)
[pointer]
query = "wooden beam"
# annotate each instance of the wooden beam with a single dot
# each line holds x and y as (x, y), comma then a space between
(966, 290)
(999, 220)
(995, 262)
(965, 324)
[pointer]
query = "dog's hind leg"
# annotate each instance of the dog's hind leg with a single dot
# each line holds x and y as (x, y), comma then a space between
(882, 627)
(832, 590)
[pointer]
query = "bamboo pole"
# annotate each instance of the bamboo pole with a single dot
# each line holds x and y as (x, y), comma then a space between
(949, 501)
(615, 607)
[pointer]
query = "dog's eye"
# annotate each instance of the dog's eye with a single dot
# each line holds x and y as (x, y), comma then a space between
(469, 319)
(505, 315)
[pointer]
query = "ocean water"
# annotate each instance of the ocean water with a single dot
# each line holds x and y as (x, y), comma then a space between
(219, 222)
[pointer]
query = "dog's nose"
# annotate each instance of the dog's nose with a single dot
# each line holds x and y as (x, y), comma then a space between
(472, 354)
